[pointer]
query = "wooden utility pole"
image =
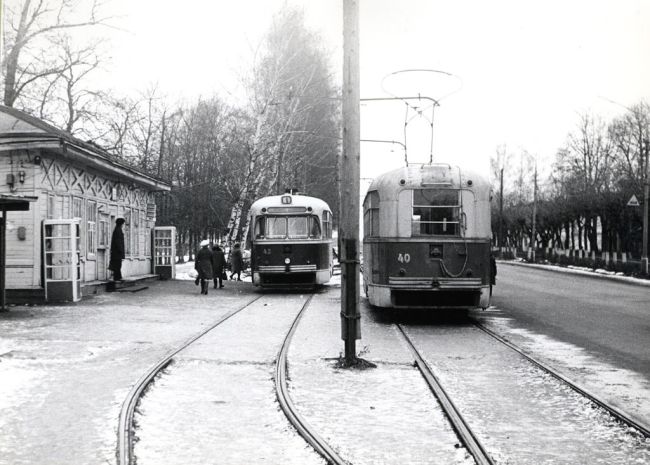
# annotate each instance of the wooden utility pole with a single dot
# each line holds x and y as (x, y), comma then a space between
(349, 184)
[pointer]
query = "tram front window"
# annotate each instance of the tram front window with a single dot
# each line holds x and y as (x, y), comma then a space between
(298, 227)
(276, 227)
(292, 227)
(435, 212)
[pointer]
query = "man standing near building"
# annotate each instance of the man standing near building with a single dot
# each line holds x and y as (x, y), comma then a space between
(117, 250)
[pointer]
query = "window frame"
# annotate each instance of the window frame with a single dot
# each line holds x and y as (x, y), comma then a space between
(419, 226)
(261, 226)
(91, 229)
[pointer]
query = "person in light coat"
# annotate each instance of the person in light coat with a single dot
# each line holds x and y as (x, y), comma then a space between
(203, 266)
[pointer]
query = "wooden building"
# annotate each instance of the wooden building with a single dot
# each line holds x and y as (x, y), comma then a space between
(75, 183)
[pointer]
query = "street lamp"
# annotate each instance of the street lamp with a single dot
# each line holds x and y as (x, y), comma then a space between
(646, 200)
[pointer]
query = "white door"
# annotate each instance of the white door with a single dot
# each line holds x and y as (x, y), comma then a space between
(61, 250)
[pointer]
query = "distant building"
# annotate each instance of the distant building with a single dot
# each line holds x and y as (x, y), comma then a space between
(74, 182)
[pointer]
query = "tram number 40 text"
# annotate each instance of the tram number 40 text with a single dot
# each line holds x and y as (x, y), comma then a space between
(403, 258)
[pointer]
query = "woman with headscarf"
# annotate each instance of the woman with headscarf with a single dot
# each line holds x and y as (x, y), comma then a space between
(203, 266)
(117, 250)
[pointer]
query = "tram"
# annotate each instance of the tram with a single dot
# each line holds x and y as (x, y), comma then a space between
(427, 238)
(291, 241)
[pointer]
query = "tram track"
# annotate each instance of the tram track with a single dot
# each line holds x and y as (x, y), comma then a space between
(464, 432)
(125, 433)
(615, 412)
(286, 404)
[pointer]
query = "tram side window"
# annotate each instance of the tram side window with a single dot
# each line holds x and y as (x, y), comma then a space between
(371, 215)
(260, 228)
(327, 224)
(314, 228)
(436, 212)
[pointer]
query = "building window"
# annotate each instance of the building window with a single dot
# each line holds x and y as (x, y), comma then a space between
(436, 212)
(135, 214)
(91, 228)
(77, 207)
(104, 232)
(127, 231)
(51, 206)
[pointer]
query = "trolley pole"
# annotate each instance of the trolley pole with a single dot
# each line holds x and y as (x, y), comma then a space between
(349, 184)
(646, 200)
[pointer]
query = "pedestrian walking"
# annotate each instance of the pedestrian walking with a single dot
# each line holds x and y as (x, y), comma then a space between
(218, 263)
(236, 262)
(117, 250)
(203, 266)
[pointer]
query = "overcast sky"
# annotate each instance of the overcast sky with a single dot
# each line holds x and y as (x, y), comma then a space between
(526, 70)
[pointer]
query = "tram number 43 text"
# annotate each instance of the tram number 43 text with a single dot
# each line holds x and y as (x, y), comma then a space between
(403, 257)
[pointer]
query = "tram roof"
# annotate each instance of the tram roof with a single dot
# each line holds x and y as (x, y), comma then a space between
(441, 175)
(297, 200)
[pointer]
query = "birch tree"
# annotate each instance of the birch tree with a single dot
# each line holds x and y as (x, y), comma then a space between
(291, 99)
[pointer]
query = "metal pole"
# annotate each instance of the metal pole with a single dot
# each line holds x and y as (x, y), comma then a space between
(349, 187)
(534, 232)
(646, 200)
(501, 242)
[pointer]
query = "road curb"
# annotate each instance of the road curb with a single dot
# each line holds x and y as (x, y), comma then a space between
(589, 274)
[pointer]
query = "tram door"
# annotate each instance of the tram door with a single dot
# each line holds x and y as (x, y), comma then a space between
(61, 250)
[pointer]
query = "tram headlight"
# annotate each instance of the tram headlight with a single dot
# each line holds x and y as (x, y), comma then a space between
(287, 261)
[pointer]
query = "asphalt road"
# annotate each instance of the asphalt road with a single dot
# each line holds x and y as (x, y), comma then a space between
(608, 318)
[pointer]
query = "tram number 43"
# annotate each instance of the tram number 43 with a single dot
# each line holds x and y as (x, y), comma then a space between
(403, 257)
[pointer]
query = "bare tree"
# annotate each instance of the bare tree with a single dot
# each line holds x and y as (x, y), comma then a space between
(30, 25)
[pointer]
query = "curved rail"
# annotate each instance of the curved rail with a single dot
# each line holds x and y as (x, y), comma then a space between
(286, 403)
(458, 423)
(616, 413)
(124, 431)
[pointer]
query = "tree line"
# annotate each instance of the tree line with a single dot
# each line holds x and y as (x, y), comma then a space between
(582, 202)
(218, 156)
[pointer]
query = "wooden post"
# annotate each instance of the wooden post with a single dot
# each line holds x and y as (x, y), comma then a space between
(349, 183)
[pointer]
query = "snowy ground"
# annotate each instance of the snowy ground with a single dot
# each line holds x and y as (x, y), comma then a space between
(599, 272)
(66, 370)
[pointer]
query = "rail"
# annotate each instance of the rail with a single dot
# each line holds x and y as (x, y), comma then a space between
(458, 423)
(282, 392)
(125, 426)
(616, 413)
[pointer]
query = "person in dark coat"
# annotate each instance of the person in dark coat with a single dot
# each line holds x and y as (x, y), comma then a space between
(117, 250)
(203, 266)
(236, 262)
(218, 262)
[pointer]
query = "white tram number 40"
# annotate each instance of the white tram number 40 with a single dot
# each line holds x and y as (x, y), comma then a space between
(403, 257)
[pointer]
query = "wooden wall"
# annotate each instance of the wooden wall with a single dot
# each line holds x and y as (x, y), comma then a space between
(65, 191)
